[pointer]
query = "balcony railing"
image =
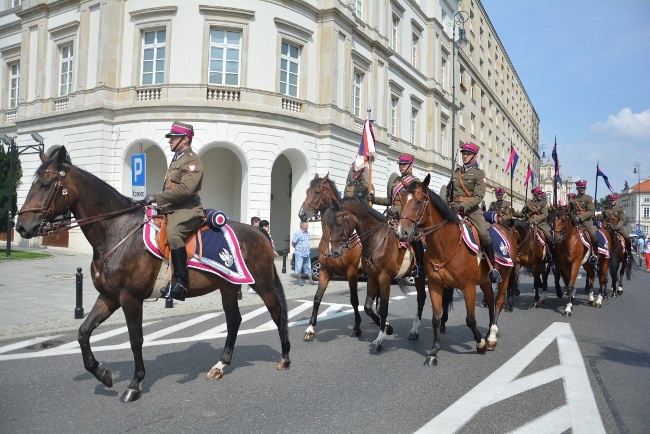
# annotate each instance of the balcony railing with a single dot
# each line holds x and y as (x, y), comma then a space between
(61, 104)
(149, 94)
(291, 105)
(223, 94)
(11, 115)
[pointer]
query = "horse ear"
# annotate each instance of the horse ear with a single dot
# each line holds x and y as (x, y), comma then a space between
(316, 176)
(43, 156)
(60, 156)
(326, 176)
(426, 180)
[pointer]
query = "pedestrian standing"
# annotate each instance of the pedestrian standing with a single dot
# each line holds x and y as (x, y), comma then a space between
(255, 221)
(300, 242)
(640, 248)
(264, 224)
(646, 250)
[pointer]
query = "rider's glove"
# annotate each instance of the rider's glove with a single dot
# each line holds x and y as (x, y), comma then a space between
(370, 197)
(149, 199)
(577, 221)
(456, 207)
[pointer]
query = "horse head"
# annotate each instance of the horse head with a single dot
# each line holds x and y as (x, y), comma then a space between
(341, 224)
(415, 201)
(562, 224)
(49, 196)
(320, 194)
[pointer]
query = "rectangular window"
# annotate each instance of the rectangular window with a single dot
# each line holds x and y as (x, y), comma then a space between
(358, 9)
(153, 57)
(14, 84)
(224, 57)
(393, 115)
(65, 82)
(289, 63)
(646, 212)
(443, 67)
(356, 93)
(414, 50)
(441, 146)
(16, 3)
(394, 33)
(472, 126)
(414, 124)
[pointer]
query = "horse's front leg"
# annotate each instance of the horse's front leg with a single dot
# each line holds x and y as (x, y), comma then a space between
(233, 321)
(133, 313)
(353, 280)
(570, 289)
(323, 281)
(372, 293)
(414, 334)
(103, 308)
(384, 295)
(435, 294)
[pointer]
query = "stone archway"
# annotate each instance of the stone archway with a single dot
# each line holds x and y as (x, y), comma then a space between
(223, 177)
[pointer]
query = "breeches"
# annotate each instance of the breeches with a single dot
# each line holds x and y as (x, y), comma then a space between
(547, 231)
(481, 225)
(591, 229)
(177, 231)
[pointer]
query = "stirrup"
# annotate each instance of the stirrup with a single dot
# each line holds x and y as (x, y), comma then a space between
(178, 291)
(495, 276)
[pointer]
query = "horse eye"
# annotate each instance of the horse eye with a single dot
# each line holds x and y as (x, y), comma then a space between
(45, 185)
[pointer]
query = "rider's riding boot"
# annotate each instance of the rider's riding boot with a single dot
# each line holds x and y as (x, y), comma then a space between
(495, 276)
(418, 249)
(593, 259)
(179, 264)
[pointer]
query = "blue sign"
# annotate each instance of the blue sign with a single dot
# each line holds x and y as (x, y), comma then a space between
(138, 176)
(639, 232)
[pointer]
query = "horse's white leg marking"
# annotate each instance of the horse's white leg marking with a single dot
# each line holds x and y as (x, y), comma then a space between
(380, 337)
(416, 325)
(493, 333)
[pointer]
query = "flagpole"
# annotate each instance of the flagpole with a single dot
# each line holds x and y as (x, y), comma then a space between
(511, 175)
(555, 175)
(596, 190)
(371, 188)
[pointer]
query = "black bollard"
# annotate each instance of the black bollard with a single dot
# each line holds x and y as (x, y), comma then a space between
(285, 252)
(79, 310)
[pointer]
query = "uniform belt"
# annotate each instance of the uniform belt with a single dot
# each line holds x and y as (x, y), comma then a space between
(579, 212)
(461, 199)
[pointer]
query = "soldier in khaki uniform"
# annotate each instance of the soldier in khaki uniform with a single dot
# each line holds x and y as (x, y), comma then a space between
(535, 211)
(582, 210)
(180, 197)
(501, 206)
(614, 216)
(405, 163)
(356, 185)
(466, 191)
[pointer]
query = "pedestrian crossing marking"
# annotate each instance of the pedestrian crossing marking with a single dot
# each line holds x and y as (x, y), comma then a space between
(27, 343)
(579, 414)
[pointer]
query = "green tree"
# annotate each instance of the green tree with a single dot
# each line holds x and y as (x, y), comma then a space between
(4, 184)
(602, 203)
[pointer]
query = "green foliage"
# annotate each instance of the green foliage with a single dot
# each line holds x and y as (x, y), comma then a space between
(602, 203)
(4, 184)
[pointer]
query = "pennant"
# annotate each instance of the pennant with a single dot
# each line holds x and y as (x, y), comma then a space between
(530, 176)
(514, 158)
(555, 159)
(366, 152)
(605, 178)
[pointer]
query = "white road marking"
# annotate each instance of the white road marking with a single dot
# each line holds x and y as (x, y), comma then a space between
(580, 414)
(27, 343)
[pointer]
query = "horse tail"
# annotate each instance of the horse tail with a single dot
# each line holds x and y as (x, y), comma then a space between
(279, 293)
(447, 298)
(628, 265)
(403, 285)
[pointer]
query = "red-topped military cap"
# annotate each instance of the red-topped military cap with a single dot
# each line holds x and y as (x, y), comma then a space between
(181, 129)
(571, 195)
(499, 191)
(613, 196)
(405, 158)
(537, 190)
(581, 183)
(469, 147)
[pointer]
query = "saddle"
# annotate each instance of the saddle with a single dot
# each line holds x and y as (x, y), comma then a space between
(190, 242)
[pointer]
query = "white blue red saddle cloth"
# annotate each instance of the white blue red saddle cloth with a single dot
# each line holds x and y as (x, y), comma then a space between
(221, 254)
(499, 242)
(603, 245)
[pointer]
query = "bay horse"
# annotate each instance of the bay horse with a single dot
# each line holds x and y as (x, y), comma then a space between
(320, 195)
(382, 255)
(571, 253)
(530, 254)
(124, 273)
(449, 262)
(620, 261)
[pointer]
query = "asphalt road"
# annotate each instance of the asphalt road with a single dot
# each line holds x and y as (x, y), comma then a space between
(588, 373)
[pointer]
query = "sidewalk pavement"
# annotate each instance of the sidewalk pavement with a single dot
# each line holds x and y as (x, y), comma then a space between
(39, 296)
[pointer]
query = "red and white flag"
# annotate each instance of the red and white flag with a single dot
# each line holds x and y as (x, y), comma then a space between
(366, 152)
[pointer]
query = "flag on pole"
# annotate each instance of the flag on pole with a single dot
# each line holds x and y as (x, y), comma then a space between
(366, 152)
(530, 176)
(556, 160)
(605, 178)
(514, 158)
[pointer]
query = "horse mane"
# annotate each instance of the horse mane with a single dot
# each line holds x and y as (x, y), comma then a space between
(353, 200)
(438, 203)
(97, 185)
(520, 224)
(314, 182)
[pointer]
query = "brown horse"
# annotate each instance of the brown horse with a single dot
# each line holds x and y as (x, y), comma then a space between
(124, 273)
(450, 263)
(383, 256)
(320, 195)
(530, 254)
(571, 253)
(620, 261)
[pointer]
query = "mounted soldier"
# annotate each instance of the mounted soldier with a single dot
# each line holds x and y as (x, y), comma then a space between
(614, 217)
(582, 210)
(535, 212)
(501, 206)
(357, 183)
(393, 202)
(466, 190)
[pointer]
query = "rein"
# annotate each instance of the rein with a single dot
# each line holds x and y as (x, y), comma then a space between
(351, 241)
(316, 209)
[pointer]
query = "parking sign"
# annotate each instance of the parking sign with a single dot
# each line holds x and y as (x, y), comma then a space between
(138, 176)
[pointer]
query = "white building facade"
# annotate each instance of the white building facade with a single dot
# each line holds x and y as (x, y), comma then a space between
(276, 91)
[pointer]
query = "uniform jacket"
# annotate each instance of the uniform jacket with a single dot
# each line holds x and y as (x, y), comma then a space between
(391, 198)
(474, 182)
(615, 215)
(535, 210)
(502, 207)
(356, 187)
(183, 183)
(583, 207)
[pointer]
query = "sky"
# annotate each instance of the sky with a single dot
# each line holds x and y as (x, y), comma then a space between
(585, 65)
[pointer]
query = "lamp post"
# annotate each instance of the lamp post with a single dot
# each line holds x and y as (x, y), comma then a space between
(459, 19)
(13, 153)
(637, 170)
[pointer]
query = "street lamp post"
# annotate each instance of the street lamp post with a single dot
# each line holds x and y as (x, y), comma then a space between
(459, 19)
(637, 170)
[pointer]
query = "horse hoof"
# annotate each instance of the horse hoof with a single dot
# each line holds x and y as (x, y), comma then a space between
(567, 314)
(283, 364)
(598, 305)
(443, 329)
(375, 348)
(130, 395)
(389, 329)
(414, 336)
(309, 336)
(533, 306)
(214, 374)
(355, 333)
(431, 361)
(105, 377)
(559, 293)
(491, 345)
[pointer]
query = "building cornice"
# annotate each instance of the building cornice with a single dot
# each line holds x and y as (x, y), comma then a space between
(164, 11)
(242, 14)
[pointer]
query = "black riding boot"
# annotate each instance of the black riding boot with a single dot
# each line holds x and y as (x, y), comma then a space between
(495, 276)
(179, 265)
(593, 259)
(418, 249)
